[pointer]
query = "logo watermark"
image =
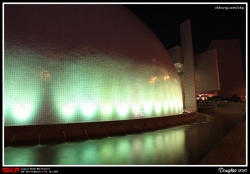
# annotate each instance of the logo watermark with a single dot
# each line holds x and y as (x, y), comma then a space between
(10, 170)
(231, 170)
(229, 8)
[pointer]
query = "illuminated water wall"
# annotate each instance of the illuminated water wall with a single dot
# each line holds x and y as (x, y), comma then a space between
(84, 63)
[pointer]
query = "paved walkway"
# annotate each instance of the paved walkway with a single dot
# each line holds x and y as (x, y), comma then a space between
(231, 150)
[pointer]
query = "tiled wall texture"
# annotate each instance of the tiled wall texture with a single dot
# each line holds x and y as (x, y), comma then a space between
(176, 54)
(206, 71)
(66, 64)
(188, 66)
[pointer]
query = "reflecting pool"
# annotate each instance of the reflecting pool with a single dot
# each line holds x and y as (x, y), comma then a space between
(180, 145)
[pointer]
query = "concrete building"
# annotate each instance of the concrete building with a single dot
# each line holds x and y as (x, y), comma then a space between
(232, 81)
(216, 72)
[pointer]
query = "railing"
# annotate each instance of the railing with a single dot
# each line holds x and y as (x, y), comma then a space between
(210, 103)
(224, 106)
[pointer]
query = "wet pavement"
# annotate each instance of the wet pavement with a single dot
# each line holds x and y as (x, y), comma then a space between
(231, 150)
(213, 138)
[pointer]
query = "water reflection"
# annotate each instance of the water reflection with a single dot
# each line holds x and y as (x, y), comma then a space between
(180, 145)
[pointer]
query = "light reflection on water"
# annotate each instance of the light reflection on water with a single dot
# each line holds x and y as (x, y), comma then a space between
(181, 145)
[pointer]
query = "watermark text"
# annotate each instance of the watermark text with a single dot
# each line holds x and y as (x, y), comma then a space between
(229, 8)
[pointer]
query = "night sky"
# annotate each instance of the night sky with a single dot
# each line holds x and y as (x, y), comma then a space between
(207, 23)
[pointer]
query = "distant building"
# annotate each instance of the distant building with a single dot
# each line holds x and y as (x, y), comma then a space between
(232, 81)
(216, 72)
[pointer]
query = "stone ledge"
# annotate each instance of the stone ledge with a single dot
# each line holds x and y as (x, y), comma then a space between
(13, 134)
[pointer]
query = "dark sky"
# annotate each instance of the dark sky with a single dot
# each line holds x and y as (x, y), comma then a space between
(207, 23)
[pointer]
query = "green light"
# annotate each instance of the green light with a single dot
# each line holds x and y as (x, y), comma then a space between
(136, 109)
(171, 105)
(106, 108)
(89, 89)
(7, 104)
(22, 112)
(158, 108)
(148, 107)
(106, 152)
(123, 146)
(177, 105)
(69, 109)
(165, 107)
(122, 109)
(89, 154)
(62, 152)
(137, 145)
(22, 87)
(88, 109)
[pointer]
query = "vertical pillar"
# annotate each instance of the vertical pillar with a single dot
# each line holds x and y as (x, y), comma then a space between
(188, 66)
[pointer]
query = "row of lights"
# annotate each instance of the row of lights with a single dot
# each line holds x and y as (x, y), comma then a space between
(203, 97)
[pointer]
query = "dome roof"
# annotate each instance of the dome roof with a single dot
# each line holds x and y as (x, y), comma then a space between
(84, 63)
